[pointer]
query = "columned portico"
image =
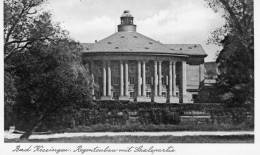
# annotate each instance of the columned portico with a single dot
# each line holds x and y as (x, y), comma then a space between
(141, 82)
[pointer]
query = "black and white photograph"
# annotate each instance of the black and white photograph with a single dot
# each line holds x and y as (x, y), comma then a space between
(128, 71)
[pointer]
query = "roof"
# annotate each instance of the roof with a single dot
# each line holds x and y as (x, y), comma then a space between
(187, 49)
(87, 46)
(135, 42)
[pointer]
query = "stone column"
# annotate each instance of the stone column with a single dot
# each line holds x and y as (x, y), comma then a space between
(104, 79)
(126, 79)
(183, 82)
(201, 70)
(174, 78)
(160, 77)
(109, 79)
(91, 68)
(121, 78)
(170, 79)
(144, 79)
(139, 78)
(155, 79)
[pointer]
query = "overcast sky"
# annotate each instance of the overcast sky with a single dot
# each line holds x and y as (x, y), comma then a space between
(168, 21)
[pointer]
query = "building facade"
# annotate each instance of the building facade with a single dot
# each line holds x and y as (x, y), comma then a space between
(132, 67)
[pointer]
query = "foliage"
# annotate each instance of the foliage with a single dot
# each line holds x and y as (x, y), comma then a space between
(9, 99)
(236, 59)
(25, 24)
(51, 79)
(11, 92)
(46, 64)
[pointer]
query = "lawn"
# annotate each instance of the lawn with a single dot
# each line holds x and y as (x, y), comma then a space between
(146, 139)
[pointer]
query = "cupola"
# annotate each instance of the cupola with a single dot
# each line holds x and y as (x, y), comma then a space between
(127, 22)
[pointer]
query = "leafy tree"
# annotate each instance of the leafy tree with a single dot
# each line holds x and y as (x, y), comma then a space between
(51, 79)
(24, 24)
(42, 64)
(236, 59)
(9, 99)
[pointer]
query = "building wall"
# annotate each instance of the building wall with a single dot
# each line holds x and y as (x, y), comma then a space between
(195, 76)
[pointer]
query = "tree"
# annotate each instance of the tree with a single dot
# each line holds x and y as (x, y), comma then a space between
(43, 65)
(24, 24)
(51, 79)
(236, 59)
(9, 99)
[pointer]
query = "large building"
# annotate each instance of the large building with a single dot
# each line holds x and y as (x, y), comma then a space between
(130, 66)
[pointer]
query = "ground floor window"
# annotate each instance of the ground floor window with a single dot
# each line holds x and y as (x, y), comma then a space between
(148, 80)
(148, 94)
(132, 80)
(115, 81)
(132, 94)
(116, 95)
(164, 94)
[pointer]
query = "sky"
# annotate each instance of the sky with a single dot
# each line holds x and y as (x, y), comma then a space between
(168, 21)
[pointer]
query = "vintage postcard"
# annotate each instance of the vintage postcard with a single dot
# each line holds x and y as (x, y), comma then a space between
(128, 76)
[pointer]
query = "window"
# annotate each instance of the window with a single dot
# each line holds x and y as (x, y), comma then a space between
(164, 80)
(132, 80)
(116, 95)
(148, 94)
(115, 80)
(148, 80)
(132, 94)
(164, 94)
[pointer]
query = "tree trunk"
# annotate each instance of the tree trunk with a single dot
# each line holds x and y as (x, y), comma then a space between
(29, 132)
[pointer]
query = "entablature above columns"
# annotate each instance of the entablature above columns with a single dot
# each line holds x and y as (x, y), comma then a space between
(132, 57)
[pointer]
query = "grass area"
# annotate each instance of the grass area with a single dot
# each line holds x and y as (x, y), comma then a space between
(147, 139)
